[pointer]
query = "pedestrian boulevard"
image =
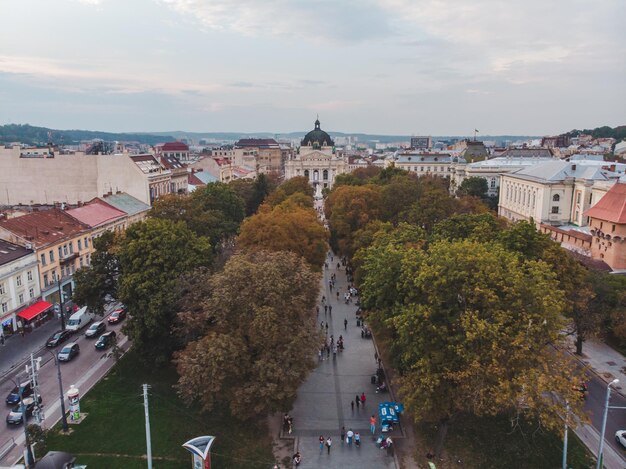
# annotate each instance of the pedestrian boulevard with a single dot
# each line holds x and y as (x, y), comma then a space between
(323, 404)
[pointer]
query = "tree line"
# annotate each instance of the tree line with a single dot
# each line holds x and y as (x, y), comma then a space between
(476, 307)
(223, 283)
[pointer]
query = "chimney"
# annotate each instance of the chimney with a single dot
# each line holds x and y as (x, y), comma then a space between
(573, 167)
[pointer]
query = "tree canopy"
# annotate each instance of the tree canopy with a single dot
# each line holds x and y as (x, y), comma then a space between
(153, 254)
(259, 345)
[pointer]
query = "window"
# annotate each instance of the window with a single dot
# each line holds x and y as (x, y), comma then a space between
(31, 292)
(492, 183)
(1, 288)
(65, 249)
(45, 280)
(421, 168)
(60, 252)
(71, 245)
(80, 244)
(29, 275)
(555, 209)
(578, 198)
(18, 280)
(613, 229)
(5, 307)
(81, 261)
(86, 243)
(21, 298)
(43, 259)
(51, 255)
(54, 275)
(556, 198)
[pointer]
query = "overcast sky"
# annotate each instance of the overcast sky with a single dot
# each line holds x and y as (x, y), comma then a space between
(440, 67)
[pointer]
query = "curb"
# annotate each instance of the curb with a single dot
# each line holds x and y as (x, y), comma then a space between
(593, 370)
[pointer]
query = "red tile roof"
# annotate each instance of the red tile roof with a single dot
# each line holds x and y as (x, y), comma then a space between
(611, 207)
(193, 180)
(174, 146)
(43, 228)
(95, 213)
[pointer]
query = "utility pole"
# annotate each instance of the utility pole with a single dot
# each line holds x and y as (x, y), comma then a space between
(564, 462)
(147, 413)
(33, 372)
(63, 416)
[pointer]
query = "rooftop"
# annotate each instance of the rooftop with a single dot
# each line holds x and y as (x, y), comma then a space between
(558, 170)
(43, 228)
(10, 252)
(126, 203)
(147, 163)
(174, 146)
(611, 207)
(257, 142)
(171, 162)
(96, 213)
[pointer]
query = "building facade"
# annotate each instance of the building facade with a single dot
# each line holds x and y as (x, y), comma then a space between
(433, 164)
(317, 160)
(19, 284)
(607, 223)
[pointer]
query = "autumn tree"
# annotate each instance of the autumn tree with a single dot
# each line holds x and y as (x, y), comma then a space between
(473, 336)
(350, 208)
(287, 227)
(290, 187)
(259, 345)
(95, 281)
(477, 226)
(153, 254)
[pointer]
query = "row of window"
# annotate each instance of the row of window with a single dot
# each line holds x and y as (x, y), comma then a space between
(66, 271)
(20, 300)
(65, 250)
(18, 281)
(442, 169)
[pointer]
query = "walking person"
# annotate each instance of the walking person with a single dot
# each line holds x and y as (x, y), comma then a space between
(358, 401)
(363, 399)
(345, 324)
(321, 443)
(327, 328)
(317, 309)
(373, 424)
(352, 405)
(343, 434)
(325, 310)
(297, 459)
(330, 309)
(320, 355)
(349, 437)
(329, 442)
(357, 439)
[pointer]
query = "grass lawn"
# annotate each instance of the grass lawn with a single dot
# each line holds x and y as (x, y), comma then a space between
(113, 434)
(488, 443)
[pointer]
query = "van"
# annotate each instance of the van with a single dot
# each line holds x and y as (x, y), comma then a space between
(79, 319)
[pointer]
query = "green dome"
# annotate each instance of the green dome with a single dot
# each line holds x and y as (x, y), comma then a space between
(317, 137)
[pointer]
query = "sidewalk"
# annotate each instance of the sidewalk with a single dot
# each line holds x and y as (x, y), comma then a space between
(605, 361)
(322, 406)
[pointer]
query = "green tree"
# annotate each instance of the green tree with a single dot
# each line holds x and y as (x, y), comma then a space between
(472, 337)
(99, 279)
(473, 186)
(259, 346)
(290, 187)
(477, 226)
(152, 257)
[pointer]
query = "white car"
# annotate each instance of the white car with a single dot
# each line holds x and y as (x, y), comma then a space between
(620, 437)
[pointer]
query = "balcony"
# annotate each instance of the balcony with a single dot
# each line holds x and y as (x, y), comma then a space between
(67, 259)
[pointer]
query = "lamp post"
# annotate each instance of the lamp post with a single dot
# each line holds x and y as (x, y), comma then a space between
(63, 416)
(61, 305)
(564, 462)
(606, 411)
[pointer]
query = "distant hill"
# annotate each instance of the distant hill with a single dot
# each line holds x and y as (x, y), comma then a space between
(618, 133)
(31, 135)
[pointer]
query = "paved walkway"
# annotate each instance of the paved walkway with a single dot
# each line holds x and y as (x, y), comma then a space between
(323, 403)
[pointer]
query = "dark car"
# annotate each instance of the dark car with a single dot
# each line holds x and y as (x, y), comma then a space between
(17, 413)
(96, 329)
(118, 315)
(14, 396)
(68, 352)
(58, 338)
(105, 341)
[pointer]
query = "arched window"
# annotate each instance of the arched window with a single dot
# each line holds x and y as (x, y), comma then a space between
(306, 173)
(325, 175)
(556, 198)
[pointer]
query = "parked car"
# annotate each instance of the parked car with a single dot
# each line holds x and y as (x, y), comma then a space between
(620, 437)
(106, 340)
(118, 315)
(58, 338)
(14, 396)
(68, 352)
(16, 415)
(96, 329)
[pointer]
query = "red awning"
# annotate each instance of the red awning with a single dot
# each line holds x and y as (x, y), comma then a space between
(34, 310)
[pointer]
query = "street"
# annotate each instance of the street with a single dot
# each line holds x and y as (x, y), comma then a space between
(86, 369)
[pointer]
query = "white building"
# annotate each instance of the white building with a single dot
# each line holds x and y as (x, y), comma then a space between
(556, 192)
(317, 160)
(435, 164)
(19, 283)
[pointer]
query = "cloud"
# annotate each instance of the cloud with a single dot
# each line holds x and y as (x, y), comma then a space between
(319, 21)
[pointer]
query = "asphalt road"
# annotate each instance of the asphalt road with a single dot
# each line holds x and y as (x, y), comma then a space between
(616, 419)
(84, 371)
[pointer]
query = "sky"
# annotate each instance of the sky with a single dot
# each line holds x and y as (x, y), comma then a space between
(397, 67)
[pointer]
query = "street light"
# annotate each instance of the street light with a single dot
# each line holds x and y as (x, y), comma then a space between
(606, 411)
(63, 416)
(61, 304)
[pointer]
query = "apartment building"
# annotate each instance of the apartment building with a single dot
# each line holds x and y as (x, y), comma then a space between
(434, 164)
(263, 154)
